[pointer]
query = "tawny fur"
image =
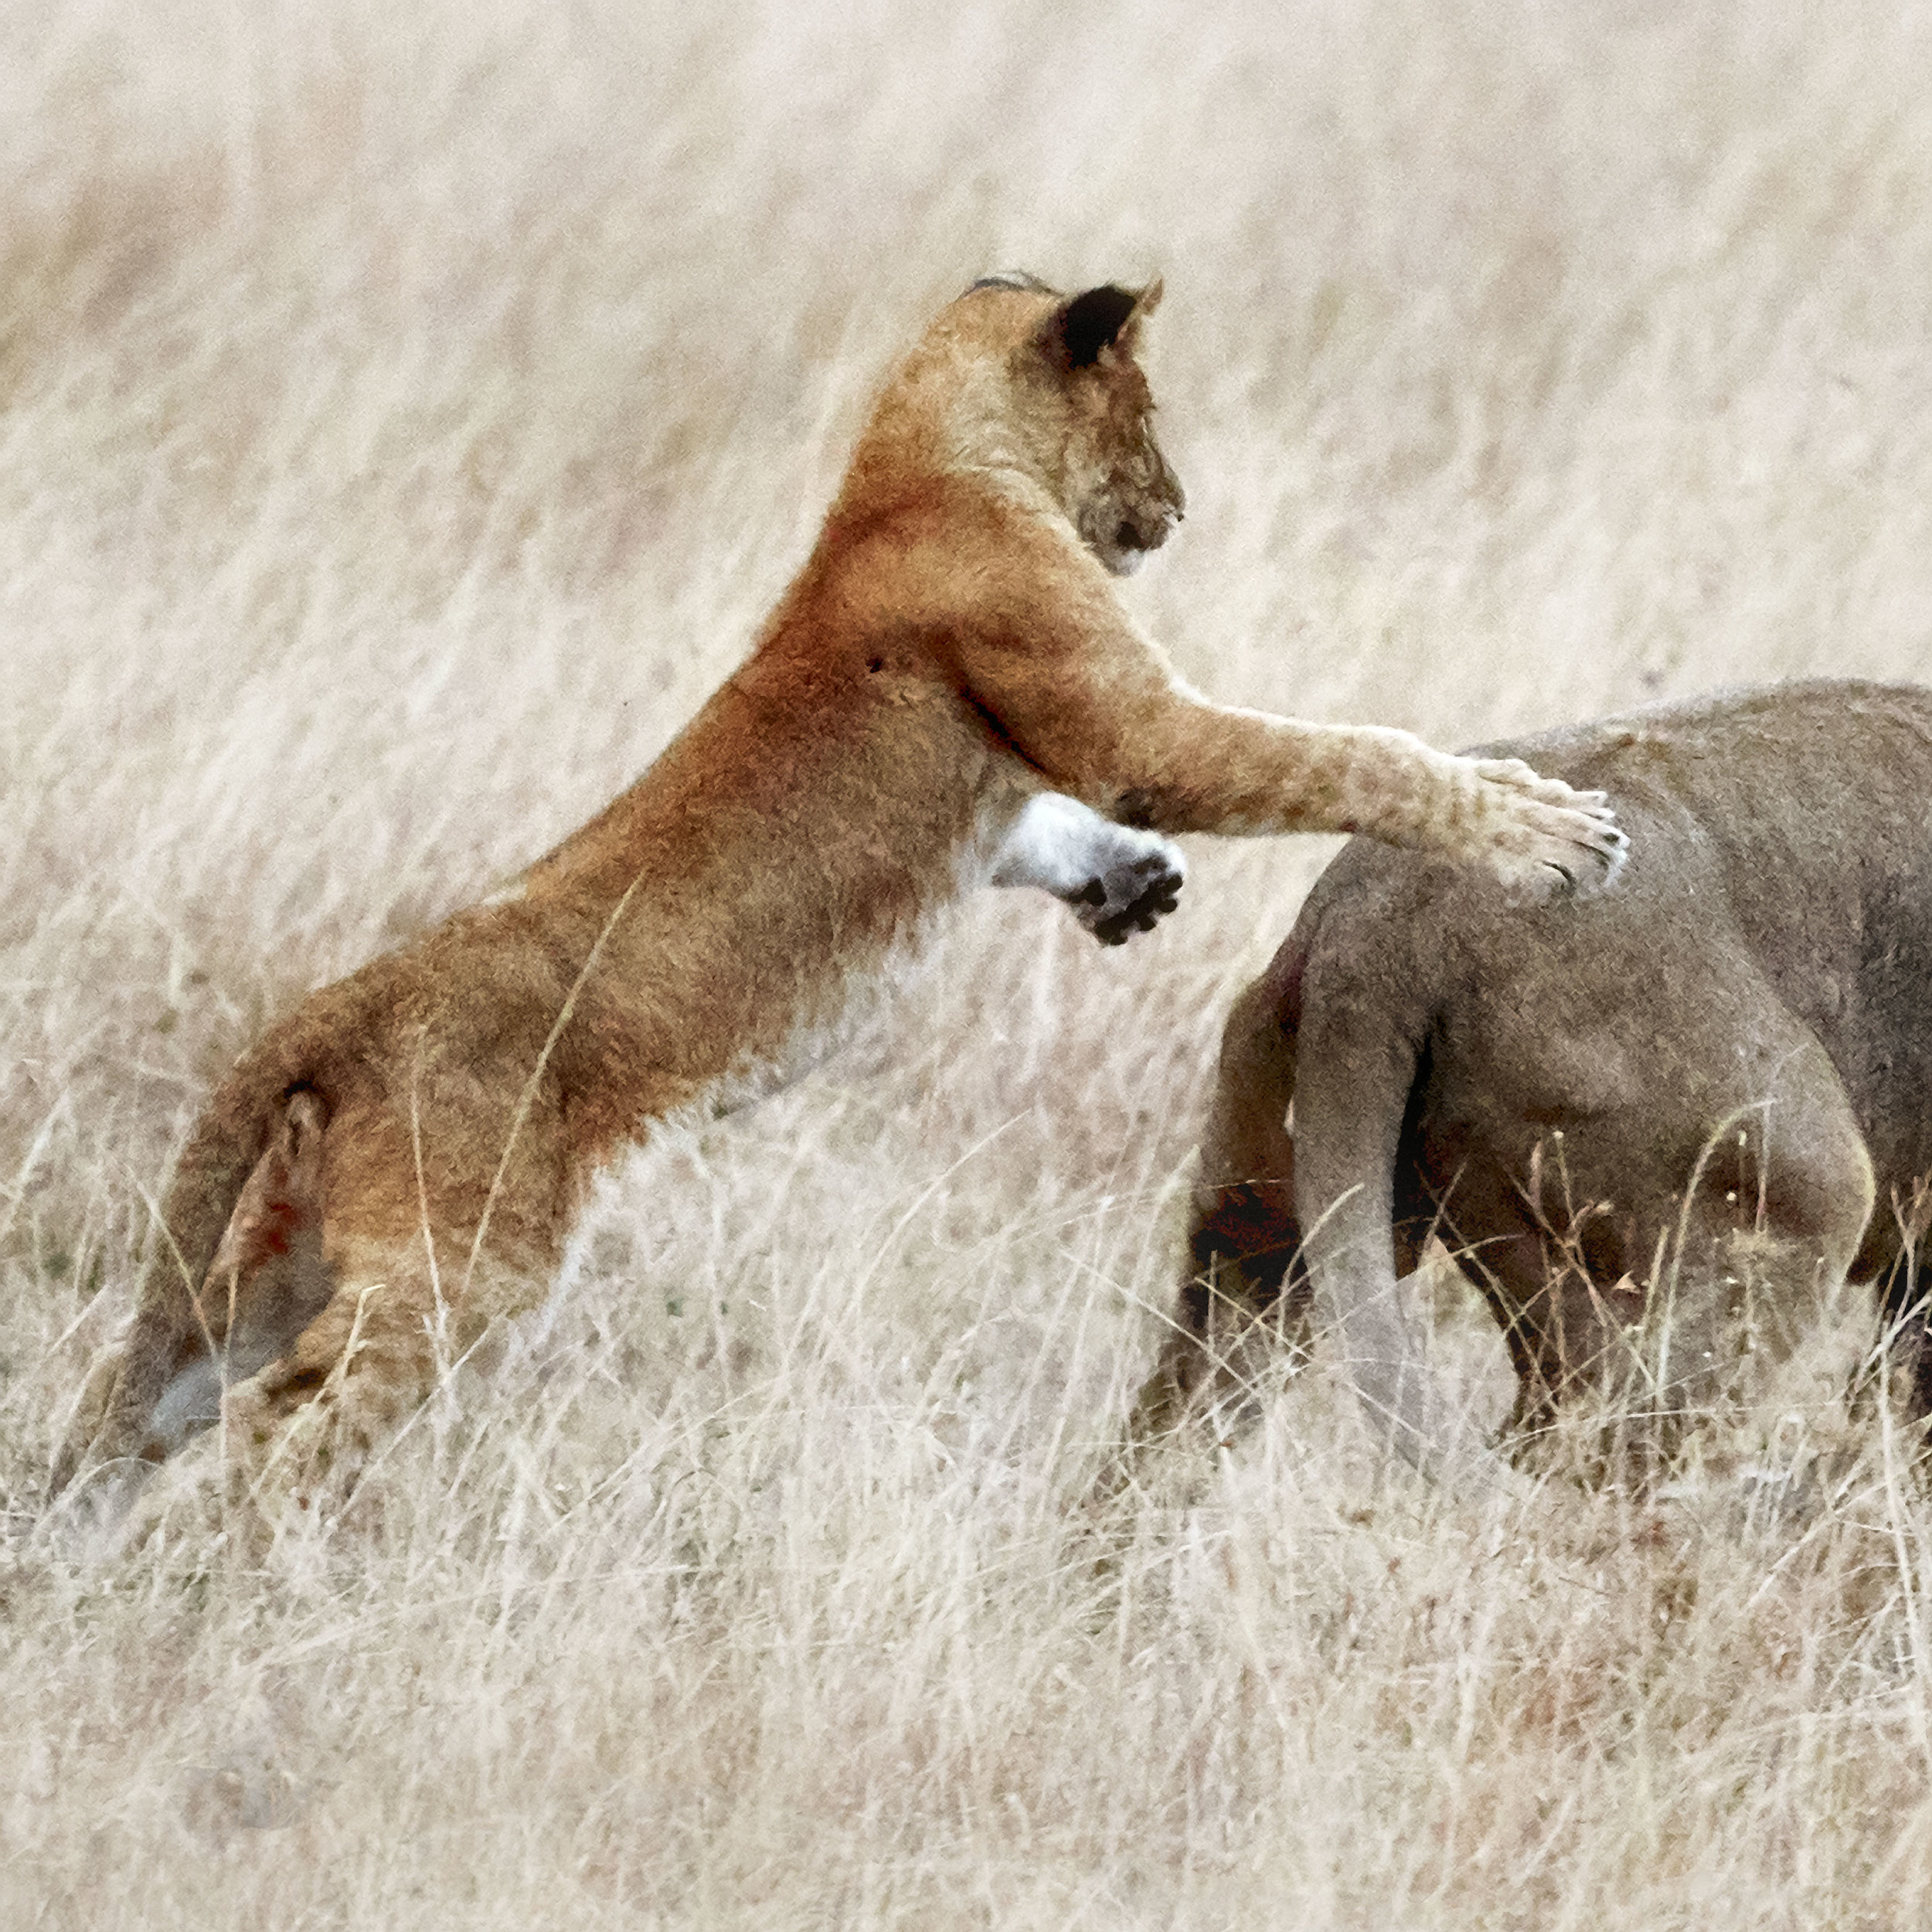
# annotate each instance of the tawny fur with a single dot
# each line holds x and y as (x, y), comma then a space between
(1651, 1130)
(400, 1160)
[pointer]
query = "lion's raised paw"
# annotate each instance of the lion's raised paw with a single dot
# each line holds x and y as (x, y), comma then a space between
(1547, 840)
(1132, 895)
(1119, 879)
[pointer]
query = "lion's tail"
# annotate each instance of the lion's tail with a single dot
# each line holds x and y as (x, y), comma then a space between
(1359, 1061)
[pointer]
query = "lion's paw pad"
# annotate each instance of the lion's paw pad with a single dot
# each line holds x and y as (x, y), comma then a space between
(1134, 893)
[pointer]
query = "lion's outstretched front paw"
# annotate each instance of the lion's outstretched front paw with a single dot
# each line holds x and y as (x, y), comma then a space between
(1136, 890)
(1543, 838)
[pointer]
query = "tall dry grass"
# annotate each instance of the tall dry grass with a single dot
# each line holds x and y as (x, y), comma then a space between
(406, 414)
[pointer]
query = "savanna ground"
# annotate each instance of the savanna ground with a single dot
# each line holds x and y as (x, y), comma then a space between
(406, 412)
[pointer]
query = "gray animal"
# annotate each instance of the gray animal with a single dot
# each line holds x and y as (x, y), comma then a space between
(1692, 1107)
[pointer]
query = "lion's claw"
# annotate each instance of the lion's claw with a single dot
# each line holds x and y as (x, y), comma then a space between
(1552, 840)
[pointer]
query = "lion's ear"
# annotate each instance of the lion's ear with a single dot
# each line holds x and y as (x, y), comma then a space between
(1099, 319)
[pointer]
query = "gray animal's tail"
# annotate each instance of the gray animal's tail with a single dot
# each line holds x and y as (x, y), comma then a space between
(1244, 1242)
(1358, 1067)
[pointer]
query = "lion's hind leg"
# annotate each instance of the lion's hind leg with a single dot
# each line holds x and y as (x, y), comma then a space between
(349, 1379)
(434, 1228)
(258, 1207)
(267, 1281)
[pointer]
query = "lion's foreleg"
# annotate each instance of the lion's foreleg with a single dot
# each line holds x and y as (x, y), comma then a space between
(1098, 711)
(1118, 879)
(1218, 769)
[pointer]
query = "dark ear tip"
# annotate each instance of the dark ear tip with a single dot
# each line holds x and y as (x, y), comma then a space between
(1092, 321)
(1017, 278)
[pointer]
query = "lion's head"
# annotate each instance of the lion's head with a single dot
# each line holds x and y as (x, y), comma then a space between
(1112, 480)
(1015, 376)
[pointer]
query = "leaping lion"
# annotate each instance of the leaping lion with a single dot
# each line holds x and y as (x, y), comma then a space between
(950, 693)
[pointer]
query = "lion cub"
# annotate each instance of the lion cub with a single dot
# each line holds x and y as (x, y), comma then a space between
(950, 693)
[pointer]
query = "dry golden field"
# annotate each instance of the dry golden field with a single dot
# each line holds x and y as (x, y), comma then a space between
(407, 411)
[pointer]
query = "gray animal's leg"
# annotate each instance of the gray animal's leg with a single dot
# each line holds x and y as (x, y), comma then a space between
(1243, 1290)
(1759, 1257)
(1693, 1311)
(1894, 1257)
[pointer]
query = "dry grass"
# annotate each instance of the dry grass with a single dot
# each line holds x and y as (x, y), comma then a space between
(406, 412)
